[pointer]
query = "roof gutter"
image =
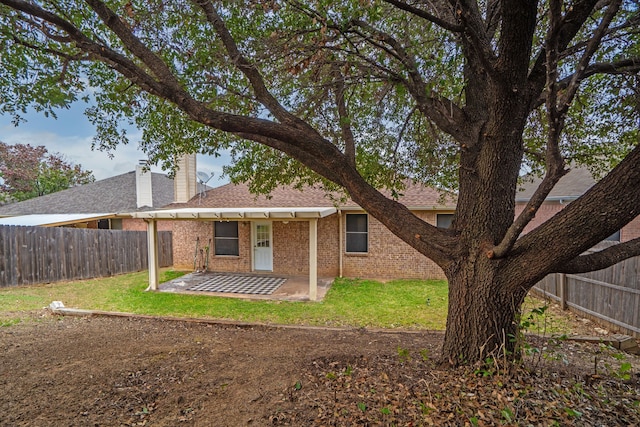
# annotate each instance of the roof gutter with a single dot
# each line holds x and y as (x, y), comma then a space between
(560, 199)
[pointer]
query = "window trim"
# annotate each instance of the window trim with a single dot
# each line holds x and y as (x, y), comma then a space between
(216, 239)
(347, 233)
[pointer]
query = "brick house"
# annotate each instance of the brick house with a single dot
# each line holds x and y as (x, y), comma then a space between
(296, 232)
(569, 188)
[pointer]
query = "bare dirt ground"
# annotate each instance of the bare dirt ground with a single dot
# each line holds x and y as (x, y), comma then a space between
(103, 371)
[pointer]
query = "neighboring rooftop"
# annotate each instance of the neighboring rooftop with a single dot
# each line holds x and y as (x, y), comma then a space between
(111, 195)
(571, 186)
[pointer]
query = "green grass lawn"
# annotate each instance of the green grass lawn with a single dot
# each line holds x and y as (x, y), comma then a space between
(417, 304)
(406, 304)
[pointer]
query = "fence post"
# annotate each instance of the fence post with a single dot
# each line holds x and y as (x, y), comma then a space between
(562, 290)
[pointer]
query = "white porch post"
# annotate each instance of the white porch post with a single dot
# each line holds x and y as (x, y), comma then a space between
(313, 259)
(152, 249)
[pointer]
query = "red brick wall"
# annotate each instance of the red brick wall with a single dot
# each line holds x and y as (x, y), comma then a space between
(546, 211)
(389, 257)
(328, 246)
(631, 230)
(291, 247)
(134, 224)
(185, 234)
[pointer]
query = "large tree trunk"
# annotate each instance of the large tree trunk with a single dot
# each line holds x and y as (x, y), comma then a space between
(482, 316)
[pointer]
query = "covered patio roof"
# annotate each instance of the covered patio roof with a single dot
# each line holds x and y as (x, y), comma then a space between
(237, 213)
(53, 220)
(309, 214)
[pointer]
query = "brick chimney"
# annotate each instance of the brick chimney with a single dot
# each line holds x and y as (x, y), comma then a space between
(144, 192)
(185, 184)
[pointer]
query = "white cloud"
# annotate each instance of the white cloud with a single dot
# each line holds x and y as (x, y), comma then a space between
(77, 149)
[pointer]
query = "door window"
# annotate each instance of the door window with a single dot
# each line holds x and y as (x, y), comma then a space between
(263, 239)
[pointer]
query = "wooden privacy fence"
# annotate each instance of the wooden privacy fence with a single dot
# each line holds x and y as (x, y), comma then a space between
(611, 295)
(30, 255)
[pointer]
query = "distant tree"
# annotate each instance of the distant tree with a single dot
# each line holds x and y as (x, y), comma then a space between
(364, 94)
(27, 172)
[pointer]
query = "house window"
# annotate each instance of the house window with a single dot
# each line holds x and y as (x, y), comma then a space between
(444, 220)
(226, 238)
(357, 233)
(615, 237)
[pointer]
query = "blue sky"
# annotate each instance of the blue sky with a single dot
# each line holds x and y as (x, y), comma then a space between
(71, 135)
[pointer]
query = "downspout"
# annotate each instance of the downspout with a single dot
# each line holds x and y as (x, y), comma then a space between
(340, 243)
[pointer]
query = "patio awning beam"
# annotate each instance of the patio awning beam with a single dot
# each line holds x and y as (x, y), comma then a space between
(236, 213)
(257, 215)
(285, 215)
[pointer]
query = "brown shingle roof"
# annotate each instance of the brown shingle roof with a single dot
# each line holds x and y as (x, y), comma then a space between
(238, 196)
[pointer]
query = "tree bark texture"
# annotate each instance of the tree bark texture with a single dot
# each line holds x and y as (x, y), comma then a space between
(482, 312)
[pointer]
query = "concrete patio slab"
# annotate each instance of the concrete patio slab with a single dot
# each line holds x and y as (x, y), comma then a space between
(246, 286)
(258, 285)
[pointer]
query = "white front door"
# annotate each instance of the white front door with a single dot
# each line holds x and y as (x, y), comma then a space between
(262, 247)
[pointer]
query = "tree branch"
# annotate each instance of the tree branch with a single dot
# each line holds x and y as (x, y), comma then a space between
(628, 66)
(155, 64)
(100, 52)
(624, 66)
(572, 22)
(435, 243)
(555, 116)
(529, 212)
(373, 42)
(247, 68)
(557, 107)
(604, 208)
(298, 153)
(474, 27)
(592, 46)
(518, 23)
(53, 52)
(343, 116)
(448, 116)
(475, 36)
(426, 15)
(405, 124)
(601, 259)
(631, 23)
(553, 158)
(493, 16)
